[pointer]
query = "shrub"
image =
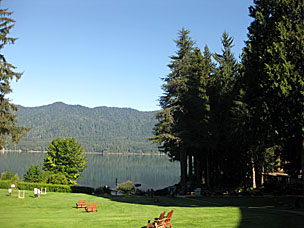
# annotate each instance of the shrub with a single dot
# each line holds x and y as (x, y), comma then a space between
(5, 184)
(10, 175)
(33, 174)
(49, 187)
(55, 178)
(82, 189)
(103, 190)
(126, 187)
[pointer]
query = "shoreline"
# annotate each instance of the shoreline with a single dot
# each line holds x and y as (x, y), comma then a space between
(97, 153)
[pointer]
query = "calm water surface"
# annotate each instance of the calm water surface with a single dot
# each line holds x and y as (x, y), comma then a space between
(151, 171)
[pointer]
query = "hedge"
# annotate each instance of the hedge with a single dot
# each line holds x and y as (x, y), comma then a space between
(82, 189)
(6, 184)
(49, 187)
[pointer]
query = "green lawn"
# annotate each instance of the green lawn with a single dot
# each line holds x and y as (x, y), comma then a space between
(58, 210)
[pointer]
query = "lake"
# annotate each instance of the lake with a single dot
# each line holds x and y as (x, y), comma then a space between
(151, 171)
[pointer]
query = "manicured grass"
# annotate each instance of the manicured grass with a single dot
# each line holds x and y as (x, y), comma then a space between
(58, 210)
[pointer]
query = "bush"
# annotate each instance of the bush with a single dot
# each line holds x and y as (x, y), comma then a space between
(82, 189)
(49, 187)
(5, 184)
(10, 175)
(103, 190)
(55, 178)
(125, 188)
(33, 174)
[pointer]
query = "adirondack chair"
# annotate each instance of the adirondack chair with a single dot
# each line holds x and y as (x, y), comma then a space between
(158, 222)
(95, 207)
(89, 208)
(79, 203)
(82, 204)
(167, 220)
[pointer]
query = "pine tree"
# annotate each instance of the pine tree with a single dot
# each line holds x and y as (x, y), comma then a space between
(65, 156)
(9, 131)
(273, 76)
(167, 132)
(220, 92)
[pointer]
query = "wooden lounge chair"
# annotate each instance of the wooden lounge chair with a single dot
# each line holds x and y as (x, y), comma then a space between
(82, 204)
(95, 207)
(167, 220)
(89, 208)
(158, 222)
(79, 203)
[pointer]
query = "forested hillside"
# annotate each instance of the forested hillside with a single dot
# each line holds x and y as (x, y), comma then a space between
(100, 129)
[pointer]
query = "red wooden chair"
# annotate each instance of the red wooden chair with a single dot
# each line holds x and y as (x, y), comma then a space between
(95, 207)
(167, 220)
(158, 222)
(89, 208)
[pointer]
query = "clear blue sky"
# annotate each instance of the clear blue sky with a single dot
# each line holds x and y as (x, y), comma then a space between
(110, 52)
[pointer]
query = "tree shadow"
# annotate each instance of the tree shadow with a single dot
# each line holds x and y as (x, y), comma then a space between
(254, 211)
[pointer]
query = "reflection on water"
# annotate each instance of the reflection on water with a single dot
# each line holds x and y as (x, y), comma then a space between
(152, 171)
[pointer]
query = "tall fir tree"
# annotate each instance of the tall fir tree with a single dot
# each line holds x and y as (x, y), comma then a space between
(167, 130)
(9, 131)
(220, 90)
(273, 77)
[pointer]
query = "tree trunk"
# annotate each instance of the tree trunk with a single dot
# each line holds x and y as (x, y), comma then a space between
(302, 163)
(262, 177)
(198, 172)
(253, 175)
(183, 167)
(207, 171)
(190, 171)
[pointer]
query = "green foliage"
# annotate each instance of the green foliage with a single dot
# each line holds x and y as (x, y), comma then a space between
(10, 176)
(9, 131)
(49, 187)
(5, 184)
(100, 129)
(273, 78)
(33, 174)
(126, 187)
(64, 157)
(55, 178)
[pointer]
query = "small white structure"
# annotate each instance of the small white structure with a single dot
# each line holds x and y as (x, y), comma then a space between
(35, 192)
(19, 194)
(43, 193)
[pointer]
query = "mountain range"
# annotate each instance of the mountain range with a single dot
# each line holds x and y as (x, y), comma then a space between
(100, 129)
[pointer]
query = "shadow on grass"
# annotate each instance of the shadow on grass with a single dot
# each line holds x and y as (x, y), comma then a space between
(264, 212)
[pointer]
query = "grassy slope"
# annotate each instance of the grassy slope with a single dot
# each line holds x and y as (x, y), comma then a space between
(58, 210)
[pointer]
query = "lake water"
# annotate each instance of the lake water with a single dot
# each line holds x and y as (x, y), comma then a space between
(151, 171)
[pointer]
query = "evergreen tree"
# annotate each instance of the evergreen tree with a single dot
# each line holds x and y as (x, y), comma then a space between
(65, 156)
(33, 174)
(220, 91)
(9, 131)
(273, 77)
(167, 130)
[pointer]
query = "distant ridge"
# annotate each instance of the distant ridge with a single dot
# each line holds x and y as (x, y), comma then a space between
(99, 129)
